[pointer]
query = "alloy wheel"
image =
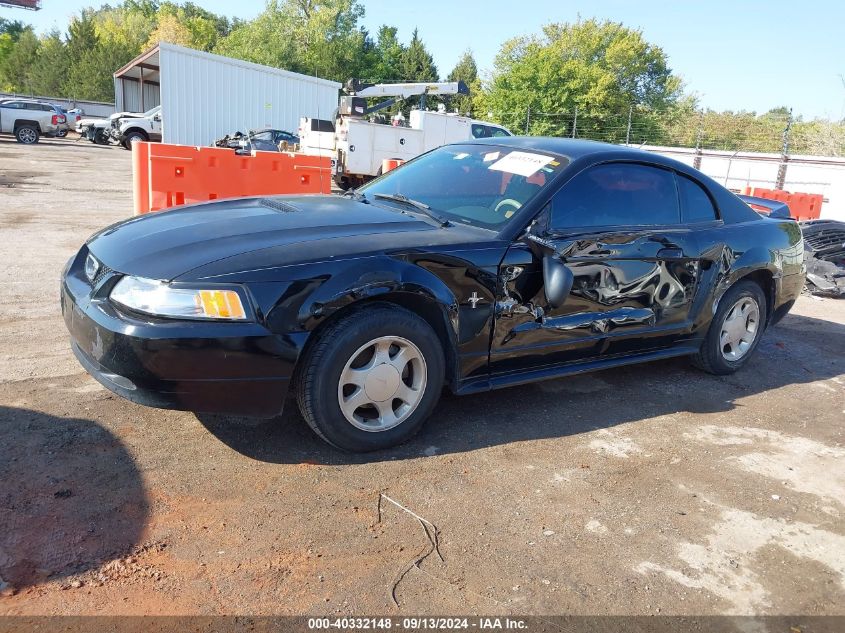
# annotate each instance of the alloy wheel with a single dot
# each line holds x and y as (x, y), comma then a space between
(27, 136)
(382, 383)
(739, 329)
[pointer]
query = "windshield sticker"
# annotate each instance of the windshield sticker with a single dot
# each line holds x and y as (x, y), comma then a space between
(491, 156)
(521, 163)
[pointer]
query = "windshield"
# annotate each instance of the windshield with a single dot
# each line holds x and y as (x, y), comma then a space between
(479, 185)
(152, 112)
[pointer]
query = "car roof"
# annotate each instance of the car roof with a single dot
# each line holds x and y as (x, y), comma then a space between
(583, 153)
(572, 148)
(270, 129)
(27, 100)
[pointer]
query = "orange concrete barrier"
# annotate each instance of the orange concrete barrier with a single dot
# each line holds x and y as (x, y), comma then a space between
(802, 206)
(166, 175)
(390, 163)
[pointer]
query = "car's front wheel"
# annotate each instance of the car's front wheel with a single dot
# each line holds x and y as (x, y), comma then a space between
(735, 331)
(371, 379)
(133, 137)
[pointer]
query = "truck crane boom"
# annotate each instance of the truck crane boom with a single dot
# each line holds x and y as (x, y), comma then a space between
(354, 104)
(405, 90)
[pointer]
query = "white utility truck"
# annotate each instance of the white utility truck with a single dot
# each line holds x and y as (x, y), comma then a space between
(359, 146)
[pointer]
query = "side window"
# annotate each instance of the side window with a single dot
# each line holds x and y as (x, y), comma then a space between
(696, 205)
(617, 194)
(497, 131)
(12, 104)
(480, 131)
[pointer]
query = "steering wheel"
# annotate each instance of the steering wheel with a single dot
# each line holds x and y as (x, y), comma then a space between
(509, 201)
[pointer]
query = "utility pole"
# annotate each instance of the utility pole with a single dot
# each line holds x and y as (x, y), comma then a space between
(696, 162)
(527, 120)
(575, 123)
(628, 132)
(784, 159)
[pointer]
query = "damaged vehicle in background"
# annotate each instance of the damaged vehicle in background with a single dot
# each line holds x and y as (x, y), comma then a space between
(478, 265)
(824, 256)
(263, 140)
(824, 247)
(122, 128)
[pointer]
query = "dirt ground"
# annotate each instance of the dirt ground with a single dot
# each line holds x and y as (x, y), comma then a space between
(643, 490)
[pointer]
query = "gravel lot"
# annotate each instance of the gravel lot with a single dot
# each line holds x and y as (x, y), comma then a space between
(644, 490)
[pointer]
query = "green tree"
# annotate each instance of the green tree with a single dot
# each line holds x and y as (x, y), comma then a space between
(81, 35)
(16, 66)
(319, 37)
(386, 60)
(47, 73)
(600, 68)
(10, 32)
(465, 70)
(416, 63)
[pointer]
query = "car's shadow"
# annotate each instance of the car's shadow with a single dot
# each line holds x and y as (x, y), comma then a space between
(71, 497)
(799, 350)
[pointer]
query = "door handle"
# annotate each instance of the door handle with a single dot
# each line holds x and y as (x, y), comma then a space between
(670, 253)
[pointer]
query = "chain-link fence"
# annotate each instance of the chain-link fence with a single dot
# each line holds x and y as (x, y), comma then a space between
(776, 132)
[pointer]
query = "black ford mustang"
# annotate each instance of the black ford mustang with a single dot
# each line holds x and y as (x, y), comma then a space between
(475, 266)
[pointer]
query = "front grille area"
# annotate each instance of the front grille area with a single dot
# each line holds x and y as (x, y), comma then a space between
(102, 272)
(827, 239)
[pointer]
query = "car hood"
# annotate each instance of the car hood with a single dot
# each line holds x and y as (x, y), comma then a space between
(225, 237)
(126, 115)
(94, 122)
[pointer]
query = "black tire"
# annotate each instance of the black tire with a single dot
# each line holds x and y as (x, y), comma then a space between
(27, 134)
(710, 357)
(133, 137)
(320, 374)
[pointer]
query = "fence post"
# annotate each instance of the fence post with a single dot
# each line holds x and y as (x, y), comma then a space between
(628, 132)
(784, 159)
(696, 162)
(575, 123)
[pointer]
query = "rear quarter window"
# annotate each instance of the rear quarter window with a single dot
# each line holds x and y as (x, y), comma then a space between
(696, 205)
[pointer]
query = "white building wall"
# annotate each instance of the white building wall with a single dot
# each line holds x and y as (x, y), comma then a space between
(206, 96)
(804, 174)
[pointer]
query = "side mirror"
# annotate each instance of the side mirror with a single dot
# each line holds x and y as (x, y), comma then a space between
(557, 281)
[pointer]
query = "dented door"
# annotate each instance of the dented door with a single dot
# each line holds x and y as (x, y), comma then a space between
(632, 290)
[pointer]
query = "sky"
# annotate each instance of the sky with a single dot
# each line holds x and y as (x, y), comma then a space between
(735, 55)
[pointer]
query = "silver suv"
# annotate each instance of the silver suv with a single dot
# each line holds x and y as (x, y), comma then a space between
(29, 119)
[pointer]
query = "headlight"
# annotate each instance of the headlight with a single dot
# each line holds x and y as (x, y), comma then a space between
(91, 267)
(160, 299)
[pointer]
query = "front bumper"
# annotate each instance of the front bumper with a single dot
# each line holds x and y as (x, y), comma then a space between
(212, 367)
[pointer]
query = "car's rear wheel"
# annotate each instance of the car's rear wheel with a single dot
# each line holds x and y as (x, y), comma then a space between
(735, 330)
(27, 134)
(371, 379)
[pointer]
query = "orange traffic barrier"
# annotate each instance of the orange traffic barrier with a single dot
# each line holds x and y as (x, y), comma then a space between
(390, 163)
(802, 206)
(166, 175)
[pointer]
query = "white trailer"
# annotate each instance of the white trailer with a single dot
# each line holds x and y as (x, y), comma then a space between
(204, 96)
